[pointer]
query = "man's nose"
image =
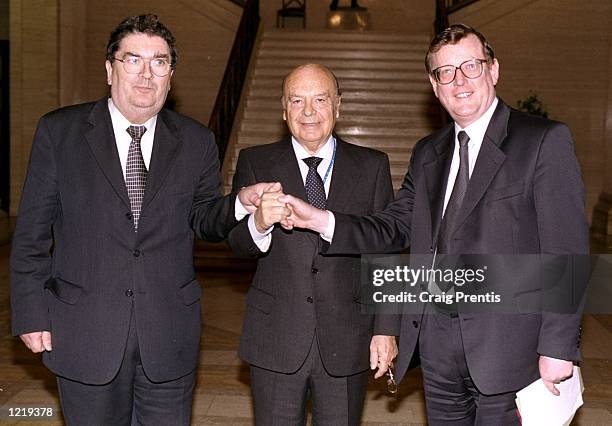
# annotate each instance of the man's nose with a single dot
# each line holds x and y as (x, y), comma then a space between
(308, 108)
(146, 71)
(459, 77)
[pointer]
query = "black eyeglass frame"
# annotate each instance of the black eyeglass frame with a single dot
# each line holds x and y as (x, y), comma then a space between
(478, 60)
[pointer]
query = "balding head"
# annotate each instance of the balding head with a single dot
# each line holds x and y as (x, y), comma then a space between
(311, 104)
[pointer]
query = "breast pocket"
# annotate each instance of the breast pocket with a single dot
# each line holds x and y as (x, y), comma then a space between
(504, 192)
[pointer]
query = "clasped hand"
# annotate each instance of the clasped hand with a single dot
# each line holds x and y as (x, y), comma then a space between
(270, 205)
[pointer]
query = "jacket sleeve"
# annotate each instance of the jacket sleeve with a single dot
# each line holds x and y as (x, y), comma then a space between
(385, 323)
(385, 231)
(240, 239)
(562, 226)
(31, 261)
(212, 216)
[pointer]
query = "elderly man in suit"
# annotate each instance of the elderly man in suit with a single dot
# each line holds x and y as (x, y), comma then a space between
(306, 331)
(102, 275)
(496, 181)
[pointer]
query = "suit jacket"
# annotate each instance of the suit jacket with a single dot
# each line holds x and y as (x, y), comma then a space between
(80, 270)
(525, 196)
(296, 289)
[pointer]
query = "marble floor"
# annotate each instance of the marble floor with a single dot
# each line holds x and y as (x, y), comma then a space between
(222, 392)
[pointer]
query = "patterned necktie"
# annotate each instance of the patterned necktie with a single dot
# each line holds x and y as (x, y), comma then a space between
(315, 190)
(447, 227)
(135, 172)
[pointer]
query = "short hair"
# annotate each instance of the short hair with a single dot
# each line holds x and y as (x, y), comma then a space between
(323, 68)
(148, 24)
(452, 35)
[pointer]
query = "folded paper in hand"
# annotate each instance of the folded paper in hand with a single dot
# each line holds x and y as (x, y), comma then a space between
(540, 407)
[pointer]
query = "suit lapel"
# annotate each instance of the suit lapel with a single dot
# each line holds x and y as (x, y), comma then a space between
(285, 169)
(345, 175)
(165, 146)
(101, 140)
(436, 176)
(490, 159)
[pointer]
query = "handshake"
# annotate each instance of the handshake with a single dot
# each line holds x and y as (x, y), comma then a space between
(271, 205)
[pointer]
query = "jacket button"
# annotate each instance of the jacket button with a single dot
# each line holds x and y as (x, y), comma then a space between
(309, 299)
(431, 249)
(415, 324)
(314, 270)
(128, 216)
(129, 293)
(136, 253)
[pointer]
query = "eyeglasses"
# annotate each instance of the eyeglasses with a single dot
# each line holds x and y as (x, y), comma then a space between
(471, 69)
(135, 64)
(391, 384)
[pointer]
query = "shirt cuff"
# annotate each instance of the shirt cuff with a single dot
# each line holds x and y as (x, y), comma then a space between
(240, 212)
(328, 235)
(261, 240)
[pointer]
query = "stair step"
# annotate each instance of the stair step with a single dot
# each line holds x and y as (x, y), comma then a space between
(354, 95)
(273, 83)
(273, 106)
(404, 46)
(398, 122)
(349, 127)
(333, 53)
(359, 112)
(282, 70)
(337, 64)
(382, 141)
(345, 35)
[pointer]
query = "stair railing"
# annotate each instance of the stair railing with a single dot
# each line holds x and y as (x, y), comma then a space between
(445, 8)
(223, 114)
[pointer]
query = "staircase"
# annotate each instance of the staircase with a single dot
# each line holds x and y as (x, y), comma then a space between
(387, 102)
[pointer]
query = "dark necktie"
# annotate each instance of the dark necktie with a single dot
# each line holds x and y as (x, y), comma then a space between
(315, 190)
(135, 172)
(448, 225)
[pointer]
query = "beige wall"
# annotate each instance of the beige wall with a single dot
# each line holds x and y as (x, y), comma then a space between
(33, 78)
(58, 48)
(560, 49)
(204, 30)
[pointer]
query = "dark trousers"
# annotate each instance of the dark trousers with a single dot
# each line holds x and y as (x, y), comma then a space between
(280, 399)
(450, 395)
(130, 398)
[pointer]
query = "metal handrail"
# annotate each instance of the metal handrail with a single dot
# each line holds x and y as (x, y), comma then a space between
(223, 114)
(445, 8)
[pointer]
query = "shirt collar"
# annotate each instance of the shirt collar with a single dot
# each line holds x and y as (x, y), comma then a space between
(476, 131)
(325, 152)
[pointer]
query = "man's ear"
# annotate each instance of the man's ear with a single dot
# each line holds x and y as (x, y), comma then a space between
(109, 72)
(434, 84)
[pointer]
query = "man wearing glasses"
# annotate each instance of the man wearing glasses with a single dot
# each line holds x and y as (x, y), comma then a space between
(496, 181)
(102, 269)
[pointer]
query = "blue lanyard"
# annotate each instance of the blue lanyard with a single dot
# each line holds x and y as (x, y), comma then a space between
(331, 163)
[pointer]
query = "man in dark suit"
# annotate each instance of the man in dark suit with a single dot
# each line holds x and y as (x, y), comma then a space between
(497, 182)
(306, 330)
(102, 276)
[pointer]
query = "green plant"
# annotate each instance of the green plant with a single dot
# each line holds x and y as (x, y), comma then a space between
(532, 105)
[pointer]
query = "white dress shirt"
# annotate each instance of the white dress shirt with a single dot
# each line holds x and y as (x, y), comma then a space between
(325, 169)
(476, 131)
(123, 138)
